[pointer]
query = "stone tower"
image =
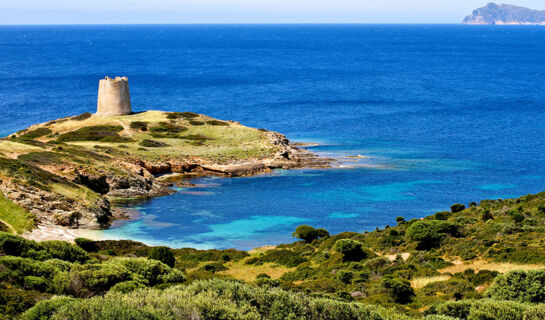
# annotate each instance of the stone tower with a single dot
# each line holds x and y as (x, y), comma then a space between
(113, 97)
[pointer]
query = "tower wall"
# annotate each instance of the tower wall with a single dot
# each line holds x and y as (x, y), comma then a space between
(113, 96)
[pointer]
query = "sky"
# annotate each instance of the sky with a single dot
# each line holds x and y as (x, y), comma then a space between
(240, 11)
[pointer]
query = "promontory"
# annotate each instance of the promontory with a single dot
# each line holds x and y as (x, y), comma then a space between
(505, 14)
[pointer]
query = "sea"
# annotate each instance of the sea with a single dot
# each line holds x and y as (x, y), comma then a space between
(418, 116)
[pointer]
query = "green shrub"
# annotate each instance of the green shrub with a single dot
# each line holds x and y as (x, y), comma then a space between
(352, 250)
(36, 133)
(345, 276)
(284, 257)
(222, 300)
(521, 286)
(127, 286)
(486, 215)
(139, 125)
(429, 234)
(18, 246)
(399, 289)
(83, 116)
(196, 123)
(217, 123)
(457, 207)
(163, 254)
(15, 301)
(516, 216)
(36, 283)
(86, 244)
(150, 271)
(153, 144)
(45, 309)
(443, 215)
(309, 234)
(65, 251)
(456, 309)
(94, 133)
(213, 267)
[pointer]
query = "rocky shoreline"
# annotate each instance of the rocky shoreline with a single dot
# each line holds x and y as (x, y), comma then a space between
(119, 174)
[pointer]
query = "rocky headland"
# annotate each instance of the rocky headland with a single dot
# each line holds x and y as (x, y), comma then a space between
(65, 172)
(505, 14)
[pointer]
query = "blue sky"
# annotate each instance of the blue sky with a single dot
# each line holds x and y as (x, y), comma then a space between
(240, 11)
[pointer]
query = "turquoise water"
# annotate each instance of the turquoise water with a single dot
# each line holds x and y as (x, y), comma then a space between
(429, 115)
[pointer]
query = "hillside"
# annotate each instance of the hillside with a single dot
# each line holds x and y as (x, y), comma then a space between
(502, 14)
(483, 261)
(64, 172)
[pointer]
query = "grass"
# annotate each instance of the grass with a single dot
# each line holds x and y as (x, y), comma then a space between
(419, 283)
(17, 217)
(501, 267)
(241, 271)
(76, 192)
(16, 148)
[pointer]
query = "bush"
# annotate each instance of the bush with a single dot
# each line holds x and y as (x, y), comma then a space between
(163, 254)
(37, 133)
(352, 250)
(219, 299)
(86, 244)
(516, 216)
(443, 215)
(139, 125)
(127, 286)
(284, 257)
(521, 286)
(152, 143)
(83, 116)
(95, 133)
(429, 234)
(457, 207)
(456, 309)
(217, 123)
(399, 289)
(486, 215)
(44, 310)
(65, 251)
(309, 234)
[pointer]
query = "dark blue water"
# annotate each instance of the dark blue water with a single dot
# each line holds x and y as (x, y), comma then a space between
(443, 114)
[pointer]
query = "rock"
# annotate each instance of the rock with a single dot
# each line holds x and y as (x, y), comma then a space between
(494, 14)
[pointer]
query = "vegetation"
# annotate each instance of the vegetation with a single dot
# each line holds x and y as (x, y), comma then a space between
(102, 133)
(14, 216)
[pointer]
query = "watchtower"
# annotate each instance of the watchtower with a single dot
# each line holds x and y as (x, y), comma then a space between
(113, 97)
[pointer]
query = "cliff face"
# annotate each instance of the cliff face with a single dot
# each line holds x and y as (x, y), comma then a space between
(505, 14)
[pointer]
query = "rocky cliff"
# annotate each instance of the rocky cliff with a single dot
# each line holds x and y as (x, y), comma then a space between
(505, 14)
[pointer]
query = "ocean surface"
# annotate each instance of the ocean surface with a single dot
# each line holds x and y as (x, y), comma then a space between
(440, 113)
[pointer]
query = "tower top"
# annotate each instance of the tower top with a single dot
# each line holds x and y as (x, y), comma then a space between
(113, 96)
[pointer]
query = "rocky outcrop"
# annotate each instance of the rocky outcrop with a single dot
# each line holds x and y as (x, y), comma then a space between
(505, 14)
(51, 208)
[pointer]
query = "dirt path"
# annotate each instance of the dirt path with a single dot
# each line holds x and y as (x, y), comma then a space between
(13, 230)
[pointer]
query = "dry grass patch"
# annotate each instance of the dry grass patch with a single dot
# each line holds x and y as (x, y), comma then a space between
(245, 272)
(419, 283)
(501, 267)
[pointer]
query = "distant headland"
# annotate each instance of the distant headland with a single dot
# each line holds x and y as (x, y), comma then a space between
(505, 14)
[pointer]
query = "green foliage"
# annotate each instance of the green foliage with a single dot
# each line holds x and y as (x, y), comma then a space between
(284, 257)
(94, 133)
(352, 250)
(521, 286)
(83, 116)
(457, 207)
(65, 251)
(45, 309)
(152, 143)
(217, 123)
(86, 244)
(36, 133)
(309, 234)
(163, 254)
(429, 234)
(399, 289)
(15, 301)
(196, 123)
(516, 216)
(139, 125)
(218, 299)
(127, 286)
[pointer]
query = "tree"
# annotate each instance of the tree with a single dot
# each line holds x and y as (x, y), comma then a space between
(399, 289)
(162, 254)
(457, 207)
(309, 234)
(429, 234)
(352, 250)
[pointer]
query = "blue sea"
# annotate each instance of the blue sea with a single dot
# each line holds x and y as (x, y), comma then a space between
(438, 113)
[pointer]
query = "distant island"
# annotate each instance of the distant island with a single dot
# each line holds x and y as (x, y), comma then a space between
(505, 14)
